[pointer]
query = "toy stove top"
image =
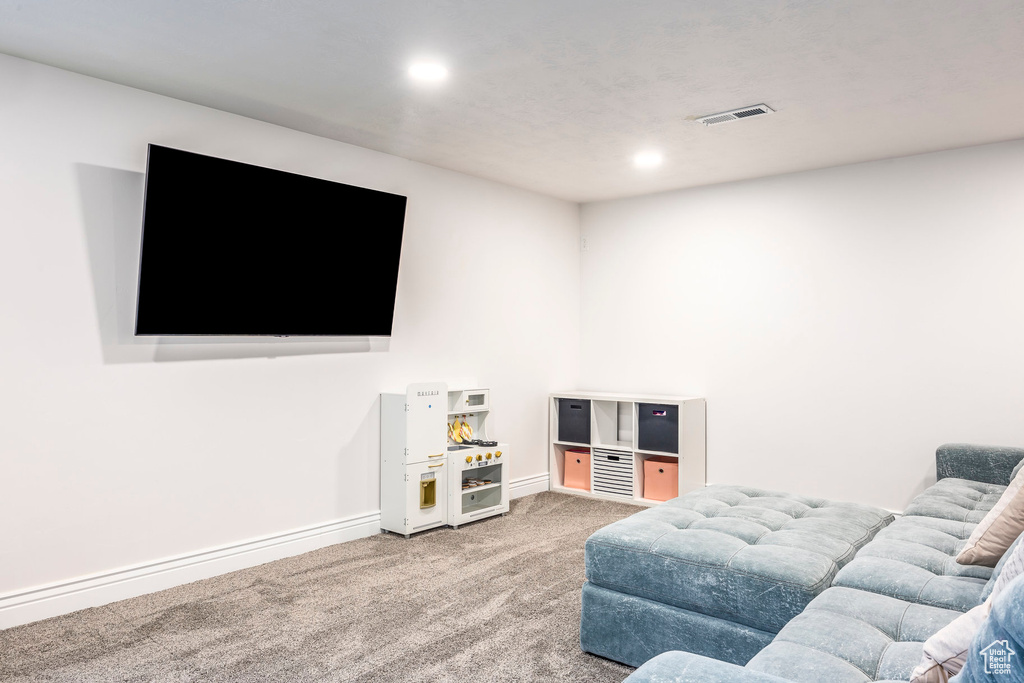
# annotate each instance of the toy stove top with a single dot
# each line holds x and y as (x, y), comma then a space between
(475, 443)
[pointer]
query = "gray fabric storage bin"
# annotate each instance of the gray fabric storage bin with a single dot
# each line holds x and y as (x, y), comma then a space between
(658, 427)
(574, 420)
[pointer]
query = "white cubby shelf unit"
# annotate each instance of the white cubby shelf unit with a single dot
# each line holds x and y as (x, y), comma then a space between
(620, 438)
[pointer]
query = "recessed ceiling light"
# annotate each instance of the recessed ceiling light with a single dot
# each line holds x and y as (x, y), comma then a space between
(428, 72)
(648, 159)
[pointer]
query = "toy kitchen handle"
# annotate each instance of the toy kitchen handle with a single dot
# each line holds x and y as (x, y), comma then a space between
(439, 455)
(440, 464)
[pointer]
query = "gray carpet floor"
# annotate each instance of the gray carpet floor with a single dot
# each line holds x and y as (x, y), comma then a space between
(497, 600)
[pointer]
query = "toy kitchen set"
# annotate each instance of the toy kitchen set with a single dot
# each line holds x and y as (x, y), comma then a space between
(437, 466)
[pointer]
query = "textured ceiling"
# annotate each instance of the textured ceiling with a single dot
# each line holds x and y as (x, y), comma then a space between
(557, 96)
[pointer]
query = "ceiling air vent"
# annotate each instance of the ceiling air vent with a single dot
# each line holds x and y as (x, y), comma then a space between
(735, 114)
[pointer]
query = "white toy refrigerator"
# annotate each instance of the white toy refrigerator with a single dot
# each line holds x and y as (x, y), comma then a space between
(413, 448)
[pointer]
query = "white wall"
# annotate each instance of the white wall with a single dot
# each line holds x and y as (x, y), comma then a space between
(842, 323)
(115, 453)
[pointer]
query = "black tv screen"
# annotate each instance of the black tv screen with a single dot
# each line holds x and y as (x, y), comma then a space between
(234, 249)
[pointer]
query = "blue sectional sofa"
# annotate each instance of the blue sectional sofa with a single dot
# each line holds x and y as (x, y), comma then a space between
(717, 572)
(821, 592)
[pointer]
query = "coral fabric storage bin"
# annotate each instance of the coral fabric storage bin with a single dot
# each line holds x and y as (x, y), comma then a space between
(661, 478)
(577, 469)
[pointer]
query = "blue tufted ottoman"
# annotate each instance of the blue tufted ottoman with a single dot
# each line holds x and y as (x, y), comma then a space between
(716, 572)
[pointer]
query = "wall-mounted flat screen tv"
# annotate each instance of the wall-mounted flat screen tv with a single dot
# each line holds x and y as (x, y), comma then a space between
(234, 249)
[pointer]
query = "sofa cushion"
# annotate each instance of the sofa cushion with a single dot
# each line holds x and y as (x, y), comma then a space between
(851, 635)
(914, 559)
(927, 543)
(960, 500)
(997, 651)
(946, 650)
(949, 647)
(747, 555)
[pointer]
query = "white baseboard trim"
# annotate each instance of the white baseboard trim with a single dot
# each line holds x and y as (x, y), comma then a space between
(41, 602)
(525, 486)
(94, 590)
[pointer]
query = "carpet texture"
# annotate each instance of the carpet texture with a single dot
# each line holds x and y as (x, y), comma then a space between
(497, 600)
